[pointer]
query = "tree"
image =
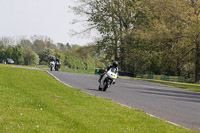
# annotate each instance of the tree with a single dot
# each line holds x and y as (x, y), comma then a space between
(41, 42)
(38, 46)
(30, 57)
(193, 19)
(45, 56)
(2, 51)
(115, 21)
(75, 46)
(68, 46)
(17, 54)
(9, 51)
(7, 41)
(61, 46)
(26, 44)
(175, 24)
(164, 35)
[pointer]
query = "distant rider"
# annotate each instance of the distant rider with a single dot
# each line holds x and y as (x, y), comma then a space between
(57, 62)
(113, 65)
(52, 59)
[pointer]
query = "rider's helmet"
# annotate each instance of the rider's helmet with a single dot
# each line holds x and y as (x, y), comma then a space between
(115, 63)
(57, 60)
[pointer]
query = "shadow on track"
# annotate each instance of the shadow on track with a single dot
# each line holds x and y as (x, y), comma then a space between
(92, 89)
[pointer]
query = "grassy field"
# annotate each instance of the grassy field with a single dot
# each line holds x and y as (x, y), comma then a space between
(33, 101)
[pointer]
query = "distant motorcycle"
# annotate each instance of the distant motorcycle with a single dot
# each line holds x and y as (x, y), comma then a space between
(52, 65)
(108, 79)
(57, 66)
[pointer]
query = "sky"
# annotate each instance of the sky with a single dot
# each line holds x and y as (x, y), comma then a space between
(50, 18)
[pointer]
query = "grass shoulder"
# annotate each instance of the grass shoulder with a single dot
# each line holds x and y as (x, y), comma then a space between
(46, 67)
(188, 86)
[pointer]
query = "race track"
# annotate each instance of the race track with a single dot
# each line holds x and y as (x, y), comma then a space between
(176, 105)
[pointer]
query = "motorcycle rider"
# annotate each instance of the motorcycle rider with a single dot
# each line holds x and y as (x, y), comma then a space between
(52, 63)
(52, 59)
(57, 62)
(114, 64)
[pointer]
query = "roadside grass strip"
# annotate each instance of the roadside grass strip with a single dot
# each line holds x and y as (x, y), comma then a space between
(187, 86)
(33, 101)
(90, 71)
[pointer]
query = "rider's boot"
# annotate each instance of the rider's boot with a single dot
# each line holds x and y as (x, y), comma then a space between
(100, 78)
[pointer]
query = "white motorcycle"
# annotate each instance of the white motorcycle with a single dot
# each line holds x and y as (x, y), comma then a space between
(52, 65)
(108, 79)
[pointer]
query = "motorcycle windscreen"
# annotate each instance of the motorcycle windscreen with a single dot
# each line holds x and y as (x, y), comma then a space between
(114, 70)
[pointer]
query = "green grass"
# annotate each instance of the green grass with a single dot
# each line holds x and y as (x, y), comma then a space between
(46, 67)
(161, 77)
(188, 86)
(33, 101)
(90, 71)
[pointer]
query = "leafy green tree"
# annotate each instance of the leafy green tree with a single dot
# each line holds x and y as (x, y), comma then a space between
(193, 19)
(38, 46)
(175, 27)
(42, 42)
(90, 55)
(61, 46)
(72, 60)
(9, 51)
(30, 57)
(45, 56)
(2, 51)
(75, 46)
(17, 54)
(77, 60)
(59, 54)
(115, 21)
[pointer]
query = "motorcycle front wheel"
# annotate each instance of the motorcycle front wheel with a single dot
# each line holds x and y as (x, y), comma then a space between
(100, 89)
(105, 86)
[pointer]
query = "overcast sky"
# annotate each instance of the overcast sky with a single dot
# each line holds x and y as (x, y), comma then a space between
(39, 17)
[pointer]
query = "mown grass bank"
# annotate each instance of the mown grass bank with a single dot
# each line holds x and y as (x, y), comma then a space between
(90, 71)
(188, 86)
(46, 67)
(33, 101)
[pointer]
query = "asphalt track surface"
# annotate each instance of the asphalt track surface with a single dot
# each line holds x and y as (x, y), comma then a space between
(176, 105)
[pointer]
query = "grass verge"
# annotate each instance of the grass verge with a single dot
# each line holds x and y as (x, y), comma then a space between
(46, 67)
(33, 101)
(188, 86)
(91, 71)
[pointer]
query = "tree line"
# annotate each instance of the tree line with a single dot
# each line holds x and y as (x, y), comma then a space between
(158, 37)
(38, 50)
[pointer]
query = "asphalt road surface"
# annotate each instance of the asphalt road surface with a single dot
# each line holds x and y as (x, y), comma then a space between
(176, 105)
